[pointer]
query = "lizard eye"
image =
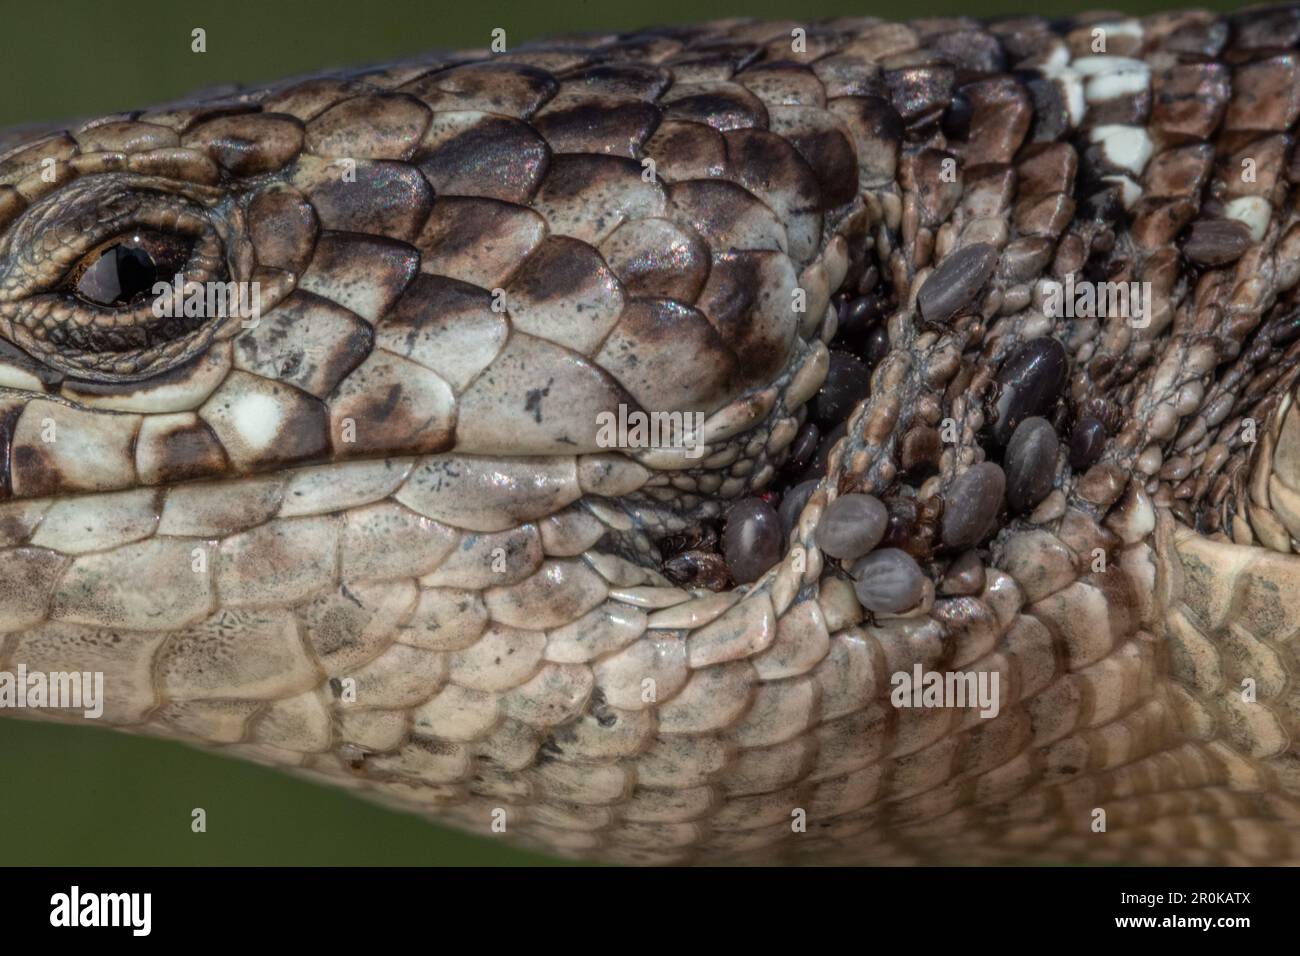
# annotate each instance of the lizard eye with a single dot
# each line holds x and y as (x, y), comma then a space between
(86, 296)
(125, 269)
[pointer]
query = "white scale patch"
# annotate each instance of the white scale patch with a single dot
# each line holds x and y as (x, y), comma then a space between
(1109, 77)
(1098, 79)
(257, 419)
(1128, 147)
(1252, 211)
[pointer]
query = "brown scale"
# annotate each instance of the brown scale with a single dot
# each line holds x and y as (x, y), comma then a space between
(1233, 331)
(1252, 386)
(1091, 250)
(1198, 103)
(1259, 401)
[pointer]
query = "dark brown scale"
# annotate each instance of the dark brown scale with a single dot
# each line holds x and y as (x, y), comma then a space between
(1051, 112)
(920, 94)
(79, 337)
(1262, 384)
(1288, 327)
(576, 130)
(515, 153)
(973, 51)
(1200, 40)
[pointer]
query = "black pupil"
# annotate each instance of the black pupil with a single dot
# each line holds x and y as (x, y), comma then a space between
(119, 275)
(135, 272)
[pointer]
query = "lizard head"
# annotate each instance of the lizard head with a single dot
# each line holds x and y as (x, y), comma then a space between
(340, 330)
(375, 358)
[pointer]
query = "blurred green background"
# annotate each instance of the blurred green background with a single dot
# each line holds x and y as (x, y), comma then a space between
(73, 796)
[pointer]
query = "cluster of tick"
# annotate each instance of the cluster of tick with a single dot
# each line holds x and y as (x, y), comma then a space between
(755, 531)
(884, 543)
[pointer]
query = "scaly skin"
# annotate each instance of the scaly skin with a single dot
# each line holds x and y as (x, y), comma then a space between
(376, 539)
